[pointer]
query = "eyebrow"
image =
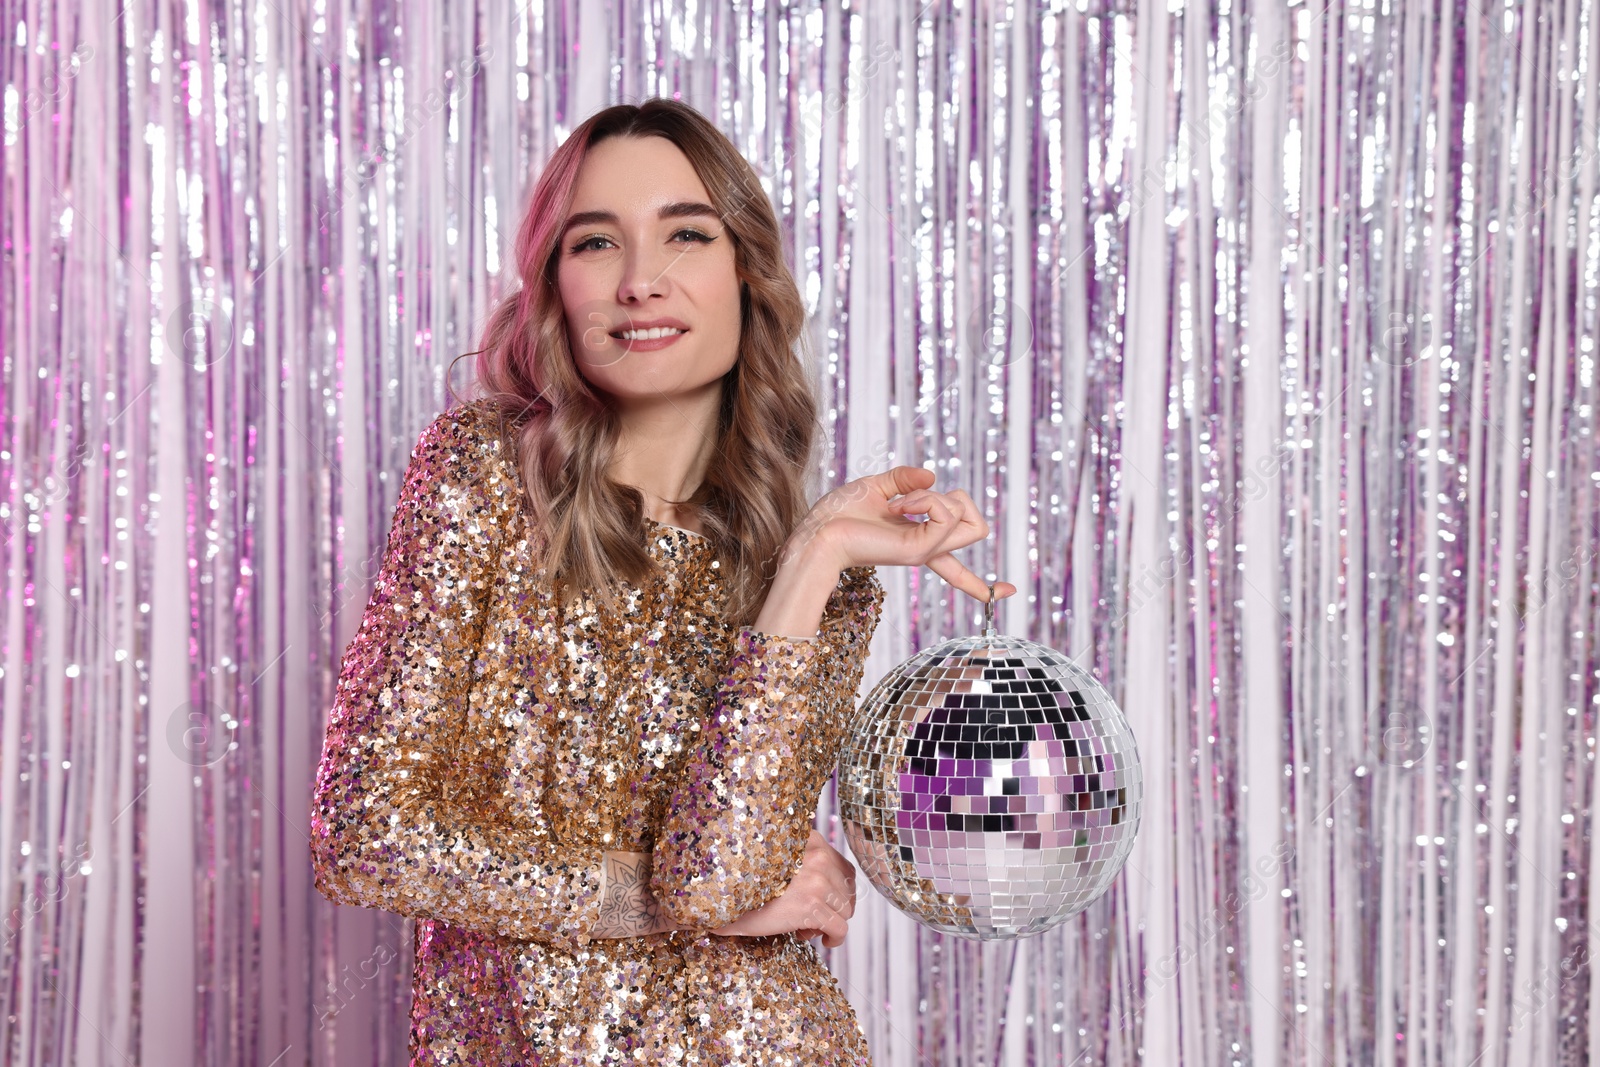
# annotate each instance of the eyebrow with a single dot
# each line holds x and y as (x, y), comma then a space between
(678, 209)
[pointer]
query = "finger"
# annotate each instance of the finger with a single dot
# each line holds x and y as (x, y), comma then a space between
(964, 526)
(842, 900)
(901, 479)
(913, 503)
(845, 888)
(969, 510)
(849, 875)
(885, 485)
(944, 521)
(833, 932)
(957, 500)
(839, 889)
(956, 573)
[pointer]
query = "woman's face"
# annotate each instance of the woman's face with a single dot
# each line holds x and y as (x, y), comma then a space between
(624, 265)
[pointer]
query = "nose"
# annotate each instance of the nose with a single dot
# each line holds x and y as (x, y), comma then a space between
(645, 273)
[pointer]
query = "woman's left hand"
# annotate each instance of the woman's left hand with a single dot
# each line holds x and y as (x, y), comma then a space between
(868, 521)
(819, 900)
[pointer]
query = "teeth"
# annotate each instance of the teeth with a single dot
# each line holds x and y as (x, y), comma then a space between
(648, 335)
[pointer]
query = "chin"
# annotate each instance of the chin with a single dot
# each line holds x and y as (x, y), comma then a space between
(646, 388)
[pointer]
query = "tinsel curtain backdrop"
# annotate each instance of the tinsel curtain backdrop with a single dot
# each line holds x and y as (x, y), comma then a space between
(1264, 332)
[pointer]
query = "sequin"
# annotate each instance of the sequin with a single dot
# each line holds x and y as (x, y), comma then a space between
(488, 744)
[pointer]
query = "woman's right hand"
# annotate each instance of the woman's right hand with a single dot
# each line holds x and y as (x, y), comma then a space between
(820, 899)
(867, 522)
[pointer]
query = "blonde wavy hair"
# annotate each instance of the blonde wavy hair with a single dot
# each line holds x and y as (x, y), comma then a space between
(564, 433)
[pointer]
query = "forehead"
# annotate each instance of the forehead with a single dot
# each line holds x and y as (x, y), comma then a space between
(635, 174)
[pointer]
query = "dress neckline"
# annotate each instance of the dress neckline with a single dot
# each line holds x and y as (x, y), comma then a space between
(680, 529)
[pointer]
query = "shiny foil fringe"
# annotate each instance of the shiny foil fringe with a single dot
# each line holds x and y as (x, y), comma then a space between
(1265, 334)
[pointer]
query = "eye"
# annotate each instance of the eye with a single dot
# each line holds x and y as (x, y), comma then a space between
(588, 242)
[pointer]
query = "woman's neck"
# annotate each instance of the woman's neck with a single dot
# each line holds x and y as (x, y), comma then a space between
(664, 452)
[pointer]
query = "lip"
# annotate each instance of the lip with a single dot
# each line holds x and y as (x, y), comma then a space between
(650, 345)
(650, 324)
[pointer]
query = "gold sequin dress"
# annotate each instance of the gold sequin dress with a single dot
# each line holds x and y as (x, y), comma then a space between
(487, 744)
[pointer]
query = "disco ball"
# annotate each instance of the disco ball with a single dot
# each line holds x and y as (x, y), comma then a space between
(990, 787)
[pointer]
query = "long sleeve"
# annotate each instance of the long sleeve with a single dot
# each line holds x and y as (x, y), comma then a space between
(736, 828)
(396, 821)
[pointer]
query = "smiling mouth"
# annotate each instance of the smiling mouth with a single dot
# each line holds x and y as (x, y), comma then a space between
(648, 335)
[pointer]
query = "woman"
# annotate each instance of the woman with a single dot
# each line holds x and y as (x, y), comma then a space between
(604, 671)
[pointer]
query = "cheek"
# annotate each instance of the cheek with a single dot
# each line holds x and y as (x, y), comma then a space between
(717, 286)
(585, 308)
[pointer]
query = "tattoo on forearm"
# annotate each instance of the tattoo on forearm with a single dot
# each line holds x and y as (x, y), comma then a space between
(628, 908)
